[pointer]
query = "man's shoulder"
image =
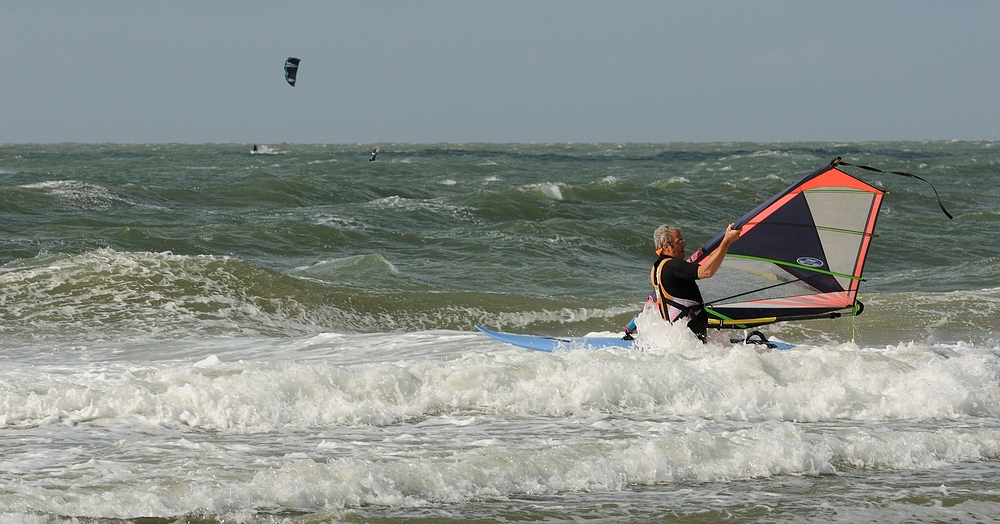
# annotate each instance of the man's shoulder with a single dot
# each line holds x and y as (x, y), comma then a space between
(682, 268)
(679, 263)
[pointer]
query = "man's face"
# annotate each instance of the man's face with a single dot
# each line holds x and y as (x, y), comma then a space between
(675, 249)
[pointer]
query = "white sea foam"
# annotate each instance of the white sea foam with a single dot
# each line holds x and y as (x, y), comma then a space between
(354, 268)
(412, 419)
(678, 378)
(78, 194)
(672, 181)
(434, 206)
(548, 189)
(268, 150)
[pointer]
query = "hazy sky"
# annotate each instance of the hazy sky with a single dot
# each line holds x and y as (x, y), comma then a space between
(511, 71)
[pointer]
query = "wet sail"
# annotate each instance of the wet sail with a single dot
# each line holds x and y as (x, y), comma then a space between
(800, 254)
(291, 69)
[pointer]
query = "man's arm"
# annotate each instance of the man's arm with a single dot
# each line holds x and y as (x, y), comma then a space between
(713, 263)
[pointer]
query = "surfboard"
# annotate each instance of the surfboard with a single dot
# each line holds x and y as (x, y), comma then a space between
(550, 344)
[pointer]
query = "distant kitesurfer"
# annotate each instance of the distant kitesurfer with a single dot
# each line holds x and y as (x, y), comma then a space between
(374, 153)
(673, 278)
(254, 148)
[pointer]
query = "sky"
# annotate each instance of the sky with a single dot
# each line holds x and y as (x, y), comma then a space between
(498, 72)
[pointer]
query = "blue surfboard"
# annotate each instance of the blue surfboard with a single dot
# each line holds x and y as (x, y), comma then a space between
(550, 344)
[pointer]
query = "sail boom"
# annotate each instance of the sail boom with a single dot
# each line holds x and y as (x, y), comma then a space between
(747, 323)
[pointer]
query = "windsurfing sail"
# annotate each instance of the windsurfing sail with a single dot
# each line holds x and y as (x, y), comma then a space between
(800, 254)
(291, 69)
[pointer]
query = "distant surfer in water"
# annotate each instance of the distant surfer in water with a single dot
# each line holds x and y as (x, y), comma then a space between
(673, 278)
(373, 155)
(254, 148)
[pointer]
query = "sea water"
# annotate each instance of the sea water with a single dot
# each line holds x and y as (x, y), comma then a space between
(194, 333)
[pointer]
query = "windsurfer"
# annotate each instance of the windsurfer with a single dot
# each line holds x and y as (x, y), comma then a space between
(673, 278)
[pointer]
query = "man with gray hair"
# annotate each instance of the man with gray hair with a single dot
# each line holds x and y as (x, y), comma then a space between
(673, 278)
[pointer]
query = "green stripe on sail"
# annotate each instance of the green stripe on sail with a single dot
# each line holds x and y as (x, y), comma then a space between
(799, 266)
(716, 313)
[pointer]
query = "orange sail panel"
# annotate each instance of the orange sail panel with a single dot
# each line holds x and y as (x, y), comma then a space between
(800, 254)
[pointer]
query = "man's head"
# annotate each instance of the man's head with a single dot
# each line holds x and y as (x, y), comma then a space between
(669, 242)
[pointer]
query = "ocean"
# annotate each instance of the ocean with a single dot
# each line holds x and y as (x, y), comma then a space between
(198, 334)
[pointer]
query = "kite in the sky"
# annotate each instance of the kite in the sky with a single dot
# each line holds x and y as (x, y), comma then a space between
(291, 68)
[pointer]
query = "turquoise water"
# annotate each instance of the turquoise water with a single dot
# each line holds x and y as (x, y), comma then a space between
(197, 332)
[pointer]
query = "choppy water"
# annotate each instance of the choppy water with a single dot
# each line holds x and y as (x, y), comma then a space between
(193, 333)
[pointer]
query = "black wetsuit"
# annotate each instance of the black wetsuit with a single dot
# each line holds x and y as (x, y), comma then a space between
(676, 278)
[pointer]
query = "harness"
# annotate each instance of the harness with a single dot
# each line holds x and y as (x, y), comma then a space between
(665, 300)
